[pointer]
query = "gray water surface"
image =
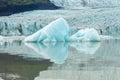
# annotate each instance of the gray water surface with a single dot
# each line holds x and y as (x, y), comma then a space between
(60, 61)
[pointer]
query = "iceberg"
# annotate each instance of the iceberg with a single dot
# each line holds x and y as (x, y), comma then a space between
(56, 31)
(88, 34)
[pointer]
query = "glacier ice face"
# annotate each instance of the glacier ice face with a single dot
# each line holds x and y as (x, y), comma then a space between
(106, 21)
(78, 4)
(19, 24)
(86, 35)
(57, 30)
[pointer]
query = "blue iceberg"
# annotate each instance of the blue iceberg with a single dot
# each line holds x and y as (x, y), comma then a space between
(56, 31)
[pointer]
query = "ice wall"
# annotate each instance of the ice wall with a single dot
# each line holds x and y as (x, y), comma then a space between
(106, 21)
(56, 53)
(19, 24)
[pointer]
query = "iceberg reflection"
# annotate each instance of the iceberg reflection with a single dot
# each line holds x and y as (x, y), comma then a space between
(86, 47)
(56, 52)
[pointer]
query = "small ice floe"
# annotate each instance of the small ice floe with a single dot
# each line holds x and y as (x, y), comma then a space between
(88, 34)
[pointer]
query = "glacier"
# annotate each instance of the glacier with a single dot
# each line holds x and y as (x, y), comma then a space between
(57, 30)
(80, 4)
(86, 35)
(105, 21)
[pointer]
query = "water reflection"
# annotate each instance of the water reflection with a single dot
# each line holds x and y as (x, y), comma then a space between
(56, 52)
(104, 64)
(86, 47)
(18, 48)
(13, 67)
(60, 61)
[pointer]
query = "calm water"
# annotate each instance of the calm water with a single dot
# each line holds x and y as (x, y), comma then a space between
(60, 61)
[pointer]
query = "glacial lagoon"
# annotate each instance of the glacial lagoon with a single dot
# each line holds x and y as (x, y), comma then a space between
(60, 61)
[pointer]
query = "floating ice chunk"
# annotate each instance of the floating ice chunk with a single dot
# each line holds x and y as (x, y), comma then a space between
(86, 35)
(57, 30)
(57, 53)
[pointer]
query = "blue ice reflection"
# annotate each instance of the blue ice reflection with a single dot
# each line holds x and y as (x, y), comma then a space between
(56, 52)
(86, 47)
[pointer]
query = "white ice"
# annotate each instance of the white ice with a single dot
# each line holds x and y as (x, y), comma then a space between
(88, 34)
(57, 30)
